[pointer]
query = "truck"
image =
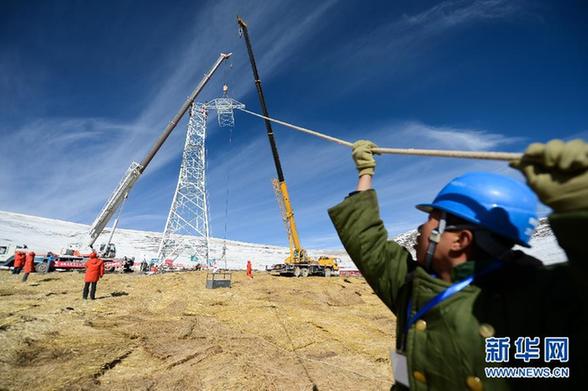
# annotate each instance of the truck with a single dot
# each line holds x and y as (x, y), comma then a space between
(323, 266)
(7, 252)
(42, 263)
(72, 259)
(298, 263)
(68, 261)
(75, 261)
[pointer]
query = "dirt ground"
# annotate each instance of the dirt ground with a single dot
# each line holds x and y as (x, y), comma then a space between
(168, 332)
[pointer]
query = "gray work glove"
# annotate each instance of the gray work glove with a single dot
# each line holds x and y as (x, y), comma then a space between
(558, 172)
(363, 156)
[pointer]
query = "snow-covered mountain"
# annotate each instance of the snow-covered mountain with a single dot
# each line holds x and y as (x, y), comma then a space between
(43, 234)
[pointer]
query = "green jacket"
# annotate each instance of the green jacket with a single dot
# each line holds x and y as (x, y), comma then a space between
(446, 348)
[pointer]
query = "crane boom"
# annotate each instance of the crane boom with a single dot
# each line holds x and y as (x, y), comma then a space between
(132, 175)
(172, 124)
(281, 186)
(285, 212)
(136, 169)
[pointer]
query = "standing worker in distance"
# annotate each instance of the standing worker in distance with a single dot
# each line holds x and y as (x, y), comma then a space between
(94, 272)
(19, 258)
(50, 259)
(249, 269)
(472, 225)
(29, 265)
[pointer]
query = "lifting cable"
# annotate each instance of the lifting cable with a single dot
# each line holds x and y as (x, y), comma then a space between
(227, 196)
(293, 347)
(228, 171)
(508, 156)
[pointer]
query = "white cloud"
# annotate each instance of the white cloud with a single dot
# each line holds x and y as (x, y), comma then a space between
(581, 135)
(456, 138)
(320, 174)
(452, 13)
(411, 38)
(72, 164)
(59, 166)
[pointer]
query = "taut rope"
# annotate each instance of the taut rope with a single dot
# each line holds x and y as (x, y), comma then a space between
(402, 151)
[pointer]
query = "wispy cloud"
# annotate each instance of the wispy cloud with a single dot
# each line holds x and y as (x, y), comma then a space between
(456, 138)
(320, 174)
(413, 37)
(59, 166)
(73, 164)
(276, 42)
(411, 30)
(453, 13)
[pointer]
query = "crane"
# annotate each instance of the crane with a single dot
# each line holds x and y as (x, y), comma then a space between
(298, 263)
(136, 169)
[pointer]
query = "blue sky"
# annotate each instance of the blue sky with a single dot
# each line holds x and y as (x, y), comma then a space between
(86, 87)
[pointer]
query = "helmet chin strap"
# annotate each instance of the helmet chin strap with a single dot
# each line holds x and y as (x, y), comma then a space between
(491, 246)
(434, 239)
(484, 239)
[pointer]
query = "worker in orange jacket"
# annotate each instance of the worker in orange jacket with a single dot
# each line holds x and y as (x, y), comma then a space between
(249, 269)
(94, 271)
(29, 265)
(19, 258)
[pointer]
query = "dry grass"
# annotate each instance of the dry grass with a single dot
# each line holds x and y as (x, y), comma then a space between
(167, 332)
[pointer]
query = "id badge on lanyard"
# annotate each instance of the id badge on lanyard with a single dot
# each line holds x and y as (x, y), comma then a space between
(400, 368)
(399, 360)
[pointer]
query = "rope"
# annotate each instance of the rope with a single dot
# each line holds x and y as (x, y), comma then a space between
(379, 379)
(294, 351)
(227, 195)
(507, 156)
(275, 308)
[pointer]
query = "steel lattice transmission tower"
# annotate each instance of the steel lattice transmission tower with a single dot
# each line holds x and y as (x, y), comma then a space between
(187, 227)
(224, 108)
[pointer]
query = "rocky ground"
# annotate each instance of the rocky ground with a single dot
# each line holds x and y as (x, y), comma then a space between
(169, 332)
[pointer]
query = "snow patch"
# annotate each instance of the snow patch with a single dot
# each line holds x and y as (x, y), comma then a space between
(43, 234)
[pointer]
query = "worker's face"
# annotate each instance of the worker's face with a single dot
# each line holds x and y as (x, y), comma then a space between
(443, 248)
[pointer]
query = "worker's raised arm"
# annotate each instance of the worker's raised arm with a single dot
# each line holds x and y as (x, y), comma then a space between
(383, 263)
(363, 156)
(558, 173)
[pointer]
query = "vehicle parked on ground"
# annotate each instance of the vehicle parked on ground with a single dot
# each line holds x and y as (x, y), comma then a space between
(7, 251)
(49, 262)
(42, 261)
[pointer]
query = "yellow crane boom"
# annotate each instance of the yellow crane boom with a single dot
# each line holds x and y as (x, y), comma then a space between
(281, 190)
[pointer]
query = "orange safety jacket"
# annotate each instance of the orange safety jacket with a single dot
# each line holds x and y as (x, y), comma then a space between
(18, 259)
(29, 265)
(94, 269)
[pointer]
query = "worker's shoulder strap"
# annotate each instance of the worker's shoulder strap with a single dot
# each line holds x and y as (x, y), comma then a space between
(411, 266)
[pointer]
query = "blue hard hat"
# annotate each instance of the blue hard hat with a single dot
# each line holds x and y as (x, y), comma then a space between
(497, 203)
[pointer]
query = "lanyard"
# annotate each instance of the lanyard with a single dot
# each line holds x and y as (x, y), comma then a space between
(446, 294)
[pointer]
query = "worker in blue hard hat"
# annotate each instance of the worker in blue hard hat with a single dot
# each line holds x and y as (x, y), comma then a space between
(497, 210)
(468, 289)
